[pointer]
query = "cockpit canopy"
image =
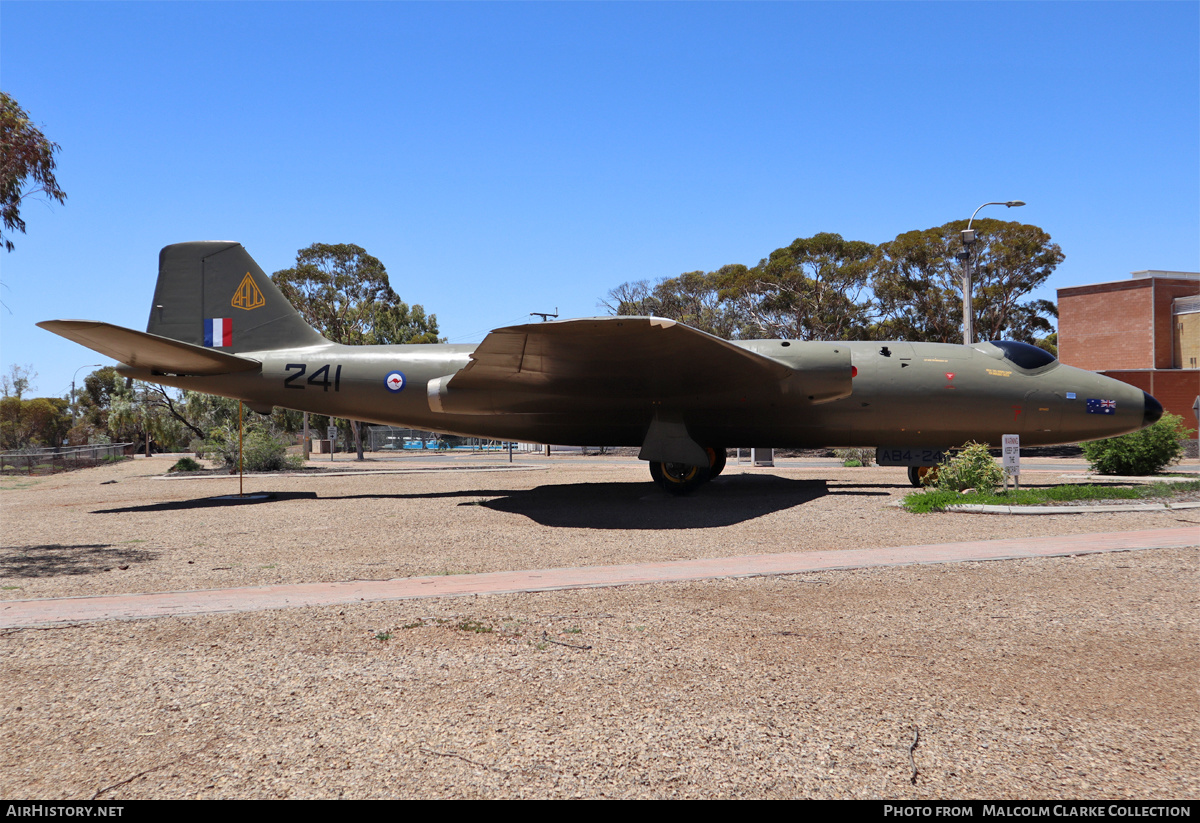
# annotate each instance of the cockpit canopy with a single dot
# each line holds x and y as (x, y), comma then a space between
(1024, 355)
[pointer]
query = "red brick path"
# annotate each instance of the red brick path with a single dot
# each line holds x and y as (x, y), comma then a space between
(17, 613)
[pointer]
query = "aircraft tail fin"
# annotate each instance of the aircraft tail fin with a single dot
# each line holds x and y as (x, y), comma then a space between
(213, 294)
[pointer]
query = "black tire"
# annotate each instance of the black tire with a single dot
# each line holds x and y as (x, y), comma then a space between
(717, 462)
(917, 473)
(679, 478)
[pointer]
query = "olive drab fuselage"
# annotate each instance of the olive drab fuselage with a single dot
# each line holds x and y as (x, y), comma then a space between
(903, 395)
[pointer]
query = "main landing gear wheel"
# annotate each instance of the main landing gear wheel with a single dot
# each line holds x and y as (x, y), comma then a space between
(917, 475)
(679, 478)
(716, 462)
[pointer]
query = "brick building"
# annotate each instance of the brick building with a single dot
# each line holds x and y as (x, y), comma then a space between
(1144, 331)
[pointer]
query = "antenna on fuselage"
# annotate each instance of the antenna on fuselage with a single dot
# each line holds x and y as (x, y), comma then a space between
(545, 315)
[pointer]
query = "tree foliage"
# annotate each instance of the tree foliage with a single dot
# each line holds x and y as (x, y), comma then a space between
(918, 287)
(825, 287)
(693, 298)
(145, 409)
(40, 421)
(813, 289)
(1010, 261)
(344, 293)
(111, 408)
(26, 166)
(918, 282)
(18, 381)
(1048, 343)
(115, 409)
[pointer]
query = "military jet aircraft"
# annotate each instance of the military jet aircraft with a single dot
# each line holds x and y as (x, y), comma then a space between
(219, 325)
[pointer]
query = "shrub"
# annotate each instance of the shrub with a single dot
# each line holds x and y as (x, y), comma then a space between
(262, 451)
(1142, 452)
(855, 457)
(185, 464)
(971, 468)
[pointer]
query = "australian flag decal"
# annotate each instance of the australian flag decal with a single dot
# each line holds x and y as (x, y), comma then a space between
(1095, 406)
(218, 332)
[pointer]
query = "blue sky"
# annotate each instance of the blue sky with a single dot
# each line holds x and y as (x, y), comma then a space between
(505, 158)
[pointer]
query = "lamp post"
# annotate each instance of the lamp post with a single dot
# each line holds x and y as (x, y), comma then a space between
(74, 401)
(968, 238)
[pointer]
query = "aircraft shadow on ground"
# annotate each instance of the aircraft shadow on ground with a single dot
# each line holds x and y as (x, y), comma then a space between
(723, 502)
(211, 503)
(58, 560)
(643, 506)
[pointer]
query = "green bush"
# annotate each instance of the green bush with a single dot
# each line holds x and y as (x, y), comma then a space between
(855, 457)
(1142, 452)
(185, 464)
(971, 468)
(196, 446)
(262, 451)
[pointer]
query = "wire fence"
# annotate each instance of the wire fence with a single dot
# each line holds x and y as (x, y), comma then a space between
(395, 438)
(399, 439)
(61, 458)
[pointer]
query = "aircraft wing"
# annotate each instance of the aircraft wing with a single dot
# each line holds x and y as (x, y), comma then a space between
(148, 351)
(606, 362)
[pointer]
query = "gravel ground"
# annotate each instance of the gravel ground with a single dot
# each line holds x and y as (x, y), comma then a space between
(1063, 677)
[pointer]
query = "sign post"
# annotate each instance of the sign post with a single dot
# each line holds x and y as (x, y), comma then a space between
(1011, 460)
(331, 433)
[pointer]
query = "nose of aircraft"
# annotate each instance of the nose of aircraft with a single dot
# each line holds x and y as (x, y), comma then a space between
(1154, 410)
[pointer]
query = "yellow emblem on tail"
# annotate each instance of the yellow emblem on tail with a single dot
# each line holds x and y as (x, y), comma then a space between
(247, 295)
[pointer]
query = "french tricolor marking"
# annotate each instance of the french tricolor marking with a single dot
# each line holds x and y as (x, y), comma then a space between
(218, 332)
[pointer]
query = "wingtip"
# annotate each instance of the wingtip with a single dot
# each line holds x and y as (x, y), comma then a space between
(56, 326)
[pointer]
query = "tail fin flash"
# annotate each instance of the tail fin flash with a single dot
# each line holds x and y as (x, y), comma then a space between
(213, 294)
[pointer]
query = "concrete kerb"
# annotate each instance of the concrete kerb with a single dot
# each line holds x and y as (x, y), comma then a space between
(1120, 478)
(351, 472)
(977, 508)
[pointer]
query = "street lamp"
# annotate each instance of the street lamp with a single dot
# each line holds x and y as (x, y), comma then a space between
(968, 238)
(74, 401)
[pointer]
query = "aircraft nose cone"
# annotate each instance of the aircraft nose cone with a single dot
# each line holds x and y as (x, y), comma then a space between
(1153, 412)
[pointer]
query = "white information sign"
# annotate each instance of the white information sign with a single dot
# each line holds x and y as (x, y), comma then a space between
(331, 433)
(1011, 459)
